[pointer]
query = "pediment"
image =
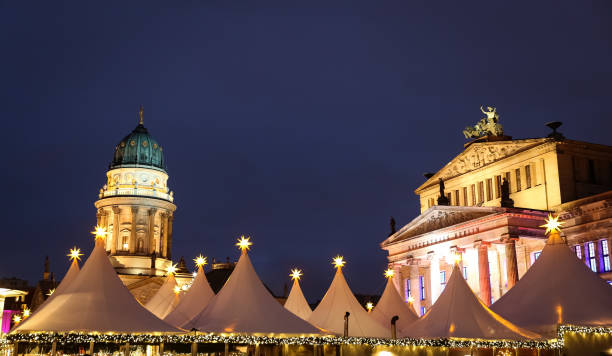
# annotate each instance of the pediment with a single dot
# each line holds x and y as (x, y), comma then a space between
(439, 217)
(478, 155)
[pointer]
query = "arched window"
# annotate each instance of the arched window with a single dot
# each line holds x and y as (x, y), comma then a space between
(140, 245)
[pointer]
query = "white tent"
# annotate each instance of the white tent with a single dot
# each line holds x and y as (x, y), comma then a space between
(459, 313)
(391, 304)
(166, 298)
(70, 276)
(95, 300)
(244, 305)
(338, 300)
(193, 301)
(296, 302)
(558, 289)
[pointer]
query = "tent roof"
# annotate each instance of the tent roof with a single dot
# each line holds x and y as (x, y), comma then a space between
(558, 289)
(96, 300)
(193, 301)
(339, 299)
(296, 302)
(244, 305)
(459, 313)
(391, 304)
(165, 300)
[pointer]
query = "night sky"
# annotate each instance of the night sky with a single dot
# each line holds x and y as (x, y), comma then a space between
(305, 124)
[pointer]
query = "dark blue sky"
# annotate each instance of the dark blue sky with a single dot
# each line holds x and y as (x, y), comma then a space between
(305, 124)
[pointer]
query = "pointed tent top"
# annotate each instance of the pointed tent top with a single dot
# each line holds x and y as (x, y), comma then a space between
(140, 111)
(338, 300)
(296, 302)
(195, 299)
(166, 298)
(391, 304)
(244, 305)
(95, 301)
(459, 313)
(553, 291)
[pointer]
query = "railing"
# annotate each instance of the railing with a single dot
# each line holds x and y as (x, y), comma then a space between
(147, 192)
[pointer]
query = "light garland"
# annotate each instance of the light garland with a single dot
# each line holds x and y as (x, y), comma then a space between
(81, 338)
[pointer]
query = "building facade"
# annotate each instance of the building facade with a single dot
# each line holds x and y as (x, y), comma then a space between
(496, 194)
(136, 206)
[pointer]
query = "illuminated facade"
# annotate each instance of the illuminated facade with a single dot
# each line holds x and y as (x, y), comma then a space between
(499, 242)
(136, 206)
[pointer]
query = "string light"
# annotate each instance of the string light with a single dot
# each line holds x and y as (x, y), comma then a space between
(552, 224)
(338, 261)
(75, 254)
(243, 243)
(296, 274)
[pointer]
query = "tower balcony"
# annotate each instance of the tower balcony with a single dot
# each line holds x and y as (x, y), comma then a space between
(136, 190)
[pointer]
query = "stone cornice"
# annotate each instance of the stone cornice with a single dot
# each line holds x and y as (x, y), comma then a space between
(135, 200)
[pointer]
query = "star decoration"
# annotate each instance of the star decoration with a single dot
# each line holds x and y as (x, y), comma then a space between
(370, 306)
(389, 273)
(26, 313)
(100, 232)
(410, 299)
(552, 224)
(244, 243)
(17, 319)
(200, 261)
(172, 268)
(177, 289)
(51, 291)
(296, 274)
(75, 254)
(338, 261)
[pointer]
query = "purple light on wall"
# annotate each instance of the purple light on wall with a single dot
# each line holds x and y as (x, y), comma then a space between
(7, 316)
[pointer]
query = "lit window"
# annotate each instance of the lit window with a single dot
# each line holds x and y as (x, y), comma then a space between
(423, 310)
(422, 287)
(605, 255)
(536, 255)
(527, 177)
(407, 289)
(443, 279)
(517, 173)
(592, 259)
(465, 273)
(578, 251)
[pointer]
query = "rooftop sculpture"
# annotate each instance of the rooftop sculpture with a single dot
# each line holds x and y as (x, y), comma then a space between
(487, 126)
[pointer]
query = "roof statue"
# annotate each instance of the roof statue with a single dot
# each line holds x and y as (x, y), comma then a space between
(95, 301)
(296, 302)
(506, 202)
(339, 301)
(166, 298)
(442, 199)
(391, 304)
(244, 305)
(194, 300)
(487, 126)
(392, 225)
(459, 313)
(553, 291)
(140, 120)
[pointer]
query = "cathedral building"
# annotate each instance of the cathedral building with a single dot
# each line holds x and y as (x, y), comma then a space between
(486, 207)
(136, 206)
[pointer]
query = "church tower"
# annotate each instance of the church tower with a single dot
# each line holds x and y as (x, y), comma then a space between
(136, 207)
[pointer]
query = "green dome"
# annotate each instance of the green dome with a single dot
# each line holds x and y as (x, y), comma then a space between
(138, 149)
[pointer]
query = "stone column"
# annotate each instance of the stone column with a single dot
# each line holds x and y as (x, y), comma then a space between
(511, 262)
(483, 272)
(169, 236)
(132, 246)
(151, 241)
(415, 289)
(99, 217)
(116, 213)
(434, 277)
(164, 234)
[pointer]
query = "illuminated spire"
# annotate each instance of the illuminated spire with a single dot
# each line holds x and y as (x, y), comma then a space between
(296, 274)
(389, 273)
(75, 254)
(140, 121)
(244, 244)
(552, 224)
(338, 261)
(200, 261)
